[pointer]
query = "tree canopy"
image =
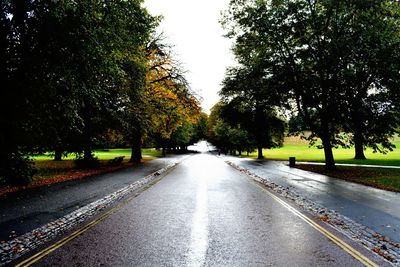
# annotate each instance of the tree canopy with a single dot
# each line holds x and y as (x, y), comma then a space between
(339, 73)
(73, 72)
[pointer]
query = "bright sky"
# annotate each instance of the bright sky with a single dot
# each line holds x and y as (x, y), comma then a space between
(192, 27)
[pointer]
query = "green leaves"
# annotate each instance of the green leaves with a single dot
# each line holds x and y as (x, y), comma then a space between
(65, 71)
(327, 57)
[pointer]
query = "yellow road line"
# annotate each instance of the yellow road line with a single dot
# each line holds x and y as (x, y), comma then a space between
(342, 244)
(36, 257)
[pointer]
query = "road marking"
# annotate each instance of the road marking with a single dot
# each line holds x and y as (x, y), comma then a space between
(36, 257)
(342, 244)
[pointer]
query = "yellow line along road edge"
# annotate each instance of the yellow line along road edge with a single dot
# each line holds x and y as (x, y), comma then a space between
(342, 244)
(41, 254)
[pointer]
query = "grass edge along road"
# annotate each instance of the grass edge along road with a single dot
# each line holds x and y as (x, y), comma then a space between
(387, 179)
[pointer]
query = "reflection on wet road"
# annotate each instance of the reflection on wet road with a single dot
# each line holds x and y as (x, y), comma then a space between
(375, 208)
(199, 235)
(202, 213)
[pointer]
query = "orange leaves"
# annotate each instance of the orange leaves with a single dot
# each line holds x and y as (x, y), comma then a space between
(170, 104)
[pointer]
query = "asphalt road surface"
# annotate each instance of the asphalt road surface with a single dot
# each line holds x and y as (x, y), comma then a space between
(203, 213)
(375, 208)
(24, 211)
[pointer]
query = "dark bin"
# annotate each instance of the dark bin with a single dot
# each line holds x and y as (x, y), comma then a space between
(292, 161)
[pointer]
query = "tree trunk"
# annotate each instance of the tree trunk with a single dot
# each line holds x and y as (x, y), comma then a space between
(329, 160)
(58, 154)
(136, 153)
(87, 153)
(260, 153)
(358, 146)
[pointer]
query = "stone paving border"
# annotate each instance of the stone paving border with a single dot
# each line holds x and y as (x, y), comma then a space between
(18, 246)
(388, 250)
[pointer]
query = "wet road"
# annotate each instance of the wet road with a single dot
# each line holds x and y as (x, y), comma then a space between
(24, 211)
(202, 213)
(375, 208)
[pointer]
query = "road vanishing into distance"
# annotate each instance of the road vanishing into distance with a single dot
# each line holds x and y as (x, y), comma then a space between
(203, 212)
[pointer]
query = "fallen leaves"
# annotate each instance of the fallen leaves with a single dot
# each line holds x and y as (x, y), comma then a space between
(67, 173)
(324, 218)
(382, 253)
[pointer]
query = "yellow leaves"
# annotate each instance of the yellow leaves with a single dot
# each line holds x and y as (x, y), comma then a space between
(170, 109)
(170, 104)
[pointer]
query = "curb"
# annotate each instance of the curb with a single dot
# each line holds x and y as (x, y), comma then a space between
(15, 248)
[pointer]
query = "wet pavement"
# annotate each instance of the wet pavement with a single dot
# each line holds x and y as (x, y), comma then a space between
(24, 211)
(374, 208)
(202, 213)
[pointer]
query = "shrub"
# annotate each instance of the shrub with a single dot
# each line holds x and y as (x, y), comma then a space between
(82, 163)
(116, 161)
(17, 170)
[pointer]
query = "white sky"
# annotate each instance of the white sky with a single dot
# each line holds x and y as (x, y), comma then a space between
(192, 27)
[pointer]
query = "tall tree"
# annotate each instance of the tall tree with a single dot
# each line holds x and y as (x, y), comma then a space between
(370, 75)
(250, 100)
(63, 73)
(311, 44)
(170, 103)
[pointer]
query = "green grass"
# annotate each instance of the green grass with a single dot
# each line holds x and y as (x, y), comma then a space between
(388, 179)
(296, 147)
(54, 171)
(107, 154)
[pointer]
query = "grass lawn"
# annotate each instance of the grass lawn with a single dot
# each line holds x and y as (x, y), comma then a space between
(296, 147)
(49, 171)
(107, 154)
(388, 179)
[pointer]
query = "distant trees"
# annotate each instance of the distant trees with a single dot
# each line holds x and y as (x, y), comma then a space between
(75, 72)
(228, 139)
(235, 131)
(336, 61)
(250, 101)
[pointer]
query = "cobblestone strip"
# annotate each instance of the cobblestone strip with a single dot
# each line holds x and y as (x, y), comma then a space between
(18, 246)
(372, 240)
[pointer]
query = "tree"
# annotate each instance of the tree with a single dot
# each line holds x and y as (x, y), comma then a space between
(249, 101)
(296, 125)
(309, 48)
(200, 131)
(170, 104)
(112, 60)
(228, 136)
(370, 76)
(64, 72)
